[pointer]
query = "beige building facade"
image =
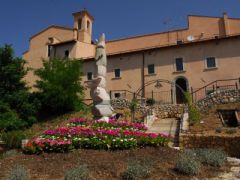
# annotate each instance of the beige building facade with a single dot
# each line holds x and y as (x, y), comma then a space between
(206, 51)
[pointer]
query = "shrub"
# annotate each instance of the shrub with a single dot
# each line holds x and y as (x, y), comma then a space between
(17, 173)
(9, 153)
(9, 119)
(21, 102)
(231, 131)
(150, 101)
(137, 169)
(218, 130)
(79, 173)
(13, 139)
(194, 115)
(133, 107)
(187, 163)
(193, 112)
(213, 157)
(60, 88)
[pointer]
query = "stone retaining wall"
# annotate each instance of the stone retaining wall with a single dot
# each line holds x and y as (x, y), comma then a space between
(169, 110)
(161, 110)
(219, 97)
(231, 144)
(124, 103)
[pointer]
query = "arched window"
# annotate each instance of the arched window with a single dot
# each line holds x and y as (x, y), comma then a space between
(80, 23)
(66, 53)
(88, 25)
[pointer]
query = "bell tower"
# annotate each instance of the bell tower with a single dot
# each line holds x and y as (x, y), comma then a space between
(83, 22)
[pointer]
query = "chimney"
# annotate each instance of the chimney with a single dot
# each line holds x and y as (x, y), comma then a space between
(226, 24)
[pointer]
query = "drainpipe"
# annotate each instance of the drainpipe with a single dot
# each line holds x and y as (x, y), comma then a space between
(143, 75)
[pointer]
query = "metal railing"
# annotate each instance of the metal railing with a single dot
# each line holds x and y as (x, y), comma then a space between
(160, 97)
(223, 84)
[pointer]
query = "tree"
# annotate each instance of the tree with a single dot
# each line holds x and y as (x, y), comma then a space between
(11, 72)
(14, 95)
(60, 88)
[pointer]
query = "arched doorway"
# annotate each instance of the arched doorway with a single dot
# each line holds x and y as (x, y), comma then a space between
(181, 84)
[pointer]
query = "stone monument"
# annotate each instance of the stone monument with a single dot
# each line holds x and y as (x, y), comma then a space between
(101, 99)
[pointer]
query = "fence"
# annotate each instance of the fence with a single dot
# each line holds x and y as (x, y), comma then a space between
(225, 84)
(160, 97)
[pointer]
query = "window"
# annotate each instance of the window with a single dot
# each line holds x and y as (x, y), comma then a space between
(117, 95)
(49, 50)
(89, 76)
(88, 24)
(80, 24)
(66, 53)
(151, 69)
(211, 62)
(179, 64)
(117, 73)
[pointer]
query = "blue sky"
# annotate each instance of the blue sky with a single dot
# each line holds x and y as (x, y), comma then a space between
(20, 19)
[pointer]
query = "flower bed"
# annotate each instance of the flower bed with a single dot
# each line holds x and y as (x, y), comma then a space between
(90, 134)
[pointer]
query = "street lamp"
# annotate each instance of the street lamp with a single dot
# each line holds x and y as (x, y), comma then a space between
(158, 84)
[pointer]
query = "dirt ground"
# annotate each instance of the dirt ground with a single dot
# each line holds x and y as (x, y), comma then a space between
(211, 122)
(103, 165)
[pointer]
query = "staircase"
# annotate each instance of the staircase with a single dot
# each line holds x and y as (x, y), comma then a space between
(167, 126)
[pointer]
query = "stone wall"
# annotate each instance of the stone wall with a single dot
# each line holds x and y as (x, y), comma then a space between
(120, 103)
(169, 110)
(219, 97)
(231, 144)
(160, 110)
(124, 103)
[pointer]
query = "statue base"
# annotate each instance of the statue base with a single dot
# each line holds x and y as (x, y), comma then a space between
(102, 110)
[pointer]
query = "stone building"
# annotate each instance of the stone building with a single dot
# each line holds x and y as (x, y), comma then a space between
(207, 50)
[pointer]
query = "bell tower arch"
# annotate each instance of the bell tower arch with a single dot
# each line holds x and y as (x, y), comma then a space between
(83, 22)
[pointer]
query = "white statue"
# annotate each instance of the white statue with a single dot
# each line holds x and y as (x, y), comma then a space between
(101, 100)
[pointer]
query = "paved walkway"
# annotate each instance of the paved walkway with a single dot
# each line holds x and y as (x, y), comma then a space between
(168, 126)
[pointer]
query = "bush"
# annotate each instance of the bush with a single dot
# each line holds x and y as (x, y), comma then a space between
(133, 107)
(218, 130)
(13, 139)
(150, 101)
(188, 163)
(79, 173)
(193, 112)
(17, 173)
(21, 102)
(10, 153)
(231, 131)
(60, 88)
(213, 157)
(9, 119)
(137, 169)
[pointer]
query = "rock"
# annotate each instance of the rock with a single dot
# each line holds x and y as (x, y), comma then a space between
(233, 161)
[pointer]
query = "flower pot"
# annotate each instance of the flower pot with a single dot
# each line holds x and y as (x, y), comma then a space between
(2, 146)
(24, 142)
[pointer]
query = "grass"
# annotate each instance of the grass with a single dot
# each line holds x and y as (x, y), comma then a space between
(53, 123)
